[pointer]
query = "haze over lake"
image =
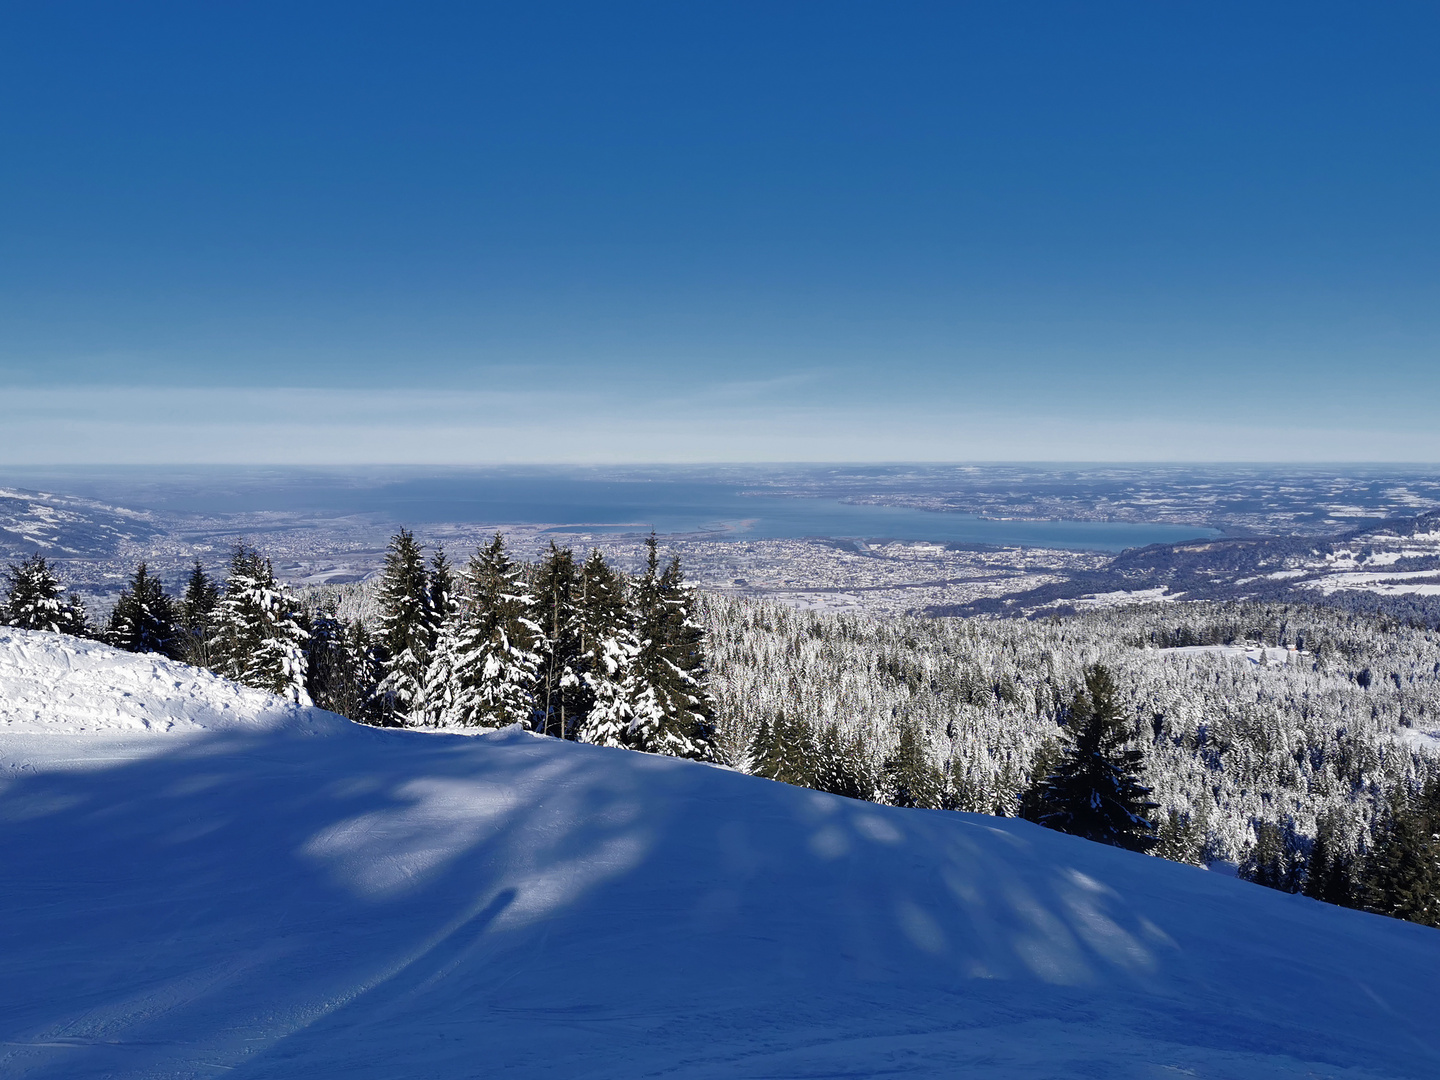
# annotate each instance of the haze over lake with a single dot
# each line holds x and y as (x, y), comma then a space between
(669, 502)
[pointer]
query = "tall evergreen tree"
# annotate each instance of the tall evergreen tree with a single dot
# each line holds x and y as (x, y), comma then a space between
(610, 694)
(1330, 872)
(445, 611)
(1095, 792)
(910, 778)
(342, 670)
(256, 634)
(785, 750)
(442, 599)
(406, 628)
(493, 651)
(559, 689)
(143, 620)
(1276, 859)
(1180, 838)
(35, 600)
(1402, 875)
(197, 608)
(842, 766)
(671, 666)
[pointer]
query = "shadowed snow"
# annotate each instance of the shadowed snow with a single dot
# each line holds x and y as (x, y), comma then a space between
(272, 892)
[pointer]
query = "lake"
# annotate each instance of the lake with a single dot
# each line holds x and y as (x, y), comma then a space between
(578, 501)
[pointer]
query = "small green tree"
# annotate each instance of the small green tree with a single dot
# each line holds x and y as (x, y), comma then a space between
(143, 620)
(197, 608)
(1095, 791)
(35, 600)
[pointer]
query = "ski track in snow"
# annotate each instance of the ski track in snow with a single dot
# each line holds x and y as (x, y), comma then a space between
(202, 880)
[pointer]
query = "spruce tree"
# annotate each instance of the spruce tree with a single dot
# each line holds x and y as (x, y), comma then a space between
(1402, 875)
(441, 593)
(559, 687)
(342, 670)
(197, 607)
(35, 600)
(1275, 860)
(443, 608)
(670, 666)
(143, 620)
(1330, 871)
(256, 635)
(610, 695)
(493, 650)
(1095, 792)
(841, 766)
(1180, 838)
(405, 629)
(910, 778)
(785, 750)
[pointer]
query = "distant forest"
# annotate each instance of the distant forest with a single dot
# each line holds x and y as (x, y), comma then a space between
(1306, 771)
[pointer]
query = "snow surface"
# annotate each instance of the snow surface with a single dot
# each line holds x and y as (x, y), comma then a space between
(267, 891)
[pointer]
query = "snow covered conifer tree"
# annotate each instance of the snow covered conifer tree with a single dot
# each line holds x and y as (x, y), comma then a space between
(1275, 860)
(670, 666)
(1094, 791)
(841, 767)
(910, 778)
(144, 618)
(441, 589)
(256, 637)
(559, 689)
(1329, 874)
(35, 601)
(493, 644)
(1402, 876)
(446, 612)
(406, 628)
(341, 668)
(785, 750)
(197, 606)
(609, 692)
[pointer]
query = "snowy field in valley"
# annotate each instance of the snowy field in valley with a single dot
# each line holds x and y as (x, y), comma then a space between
(201, 881)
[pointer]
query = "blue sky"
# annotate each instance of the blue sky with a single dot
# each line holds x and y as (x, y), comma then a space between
(620, 232)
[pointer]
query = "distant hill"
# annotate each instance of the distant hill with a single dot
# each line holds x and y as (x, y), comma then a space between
(1393, 565)
(200, 880)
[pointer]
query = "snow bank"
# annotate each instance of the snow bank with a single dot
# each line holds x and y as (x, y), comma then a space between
(55, 684)
(380, 903)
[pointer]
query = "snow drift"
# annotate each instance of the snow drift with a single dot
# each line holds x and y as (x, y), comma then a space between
(203, 880)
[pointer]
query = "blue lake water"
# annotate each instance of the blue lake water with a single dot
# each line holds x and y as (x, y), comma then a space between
(584, 503)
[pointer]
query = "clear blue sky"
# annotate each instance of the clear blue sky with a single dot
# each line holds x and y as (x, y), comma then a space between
(598, 232)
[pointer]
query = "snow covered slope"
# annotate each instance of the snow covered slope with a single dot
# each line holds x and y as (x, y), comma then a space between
(265, 891)
(51, 684)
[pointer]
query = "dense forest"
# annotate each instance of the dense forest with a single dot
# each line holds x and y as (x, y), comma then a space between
(1301, 762)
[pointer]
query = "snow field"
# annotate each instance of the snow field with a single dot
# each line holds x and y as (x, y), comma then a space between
(238, 901)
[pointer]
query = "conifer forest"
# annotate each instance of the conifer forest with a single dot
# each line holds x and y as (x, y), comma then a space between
(1277, 739)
